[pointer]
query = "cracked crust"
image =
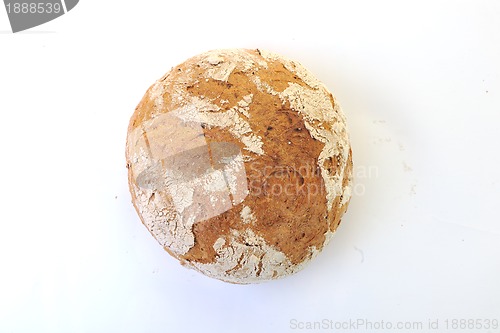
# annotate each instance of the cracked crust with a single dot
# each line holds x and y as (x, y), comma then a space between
(240, 164)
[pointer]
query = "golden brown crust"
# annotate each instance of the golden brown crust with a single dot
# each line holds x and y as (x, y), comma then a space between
(298, 181)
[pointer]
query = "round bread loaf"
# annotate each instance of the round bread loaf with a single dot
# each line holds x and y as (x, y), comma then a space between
(239, 164)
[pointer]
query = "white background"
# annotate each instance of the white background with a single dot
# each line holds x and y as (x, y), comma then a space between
(419, 82)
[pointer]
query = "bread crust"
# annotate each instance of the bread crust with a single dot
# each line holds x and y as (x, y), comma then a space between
(258, 164)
